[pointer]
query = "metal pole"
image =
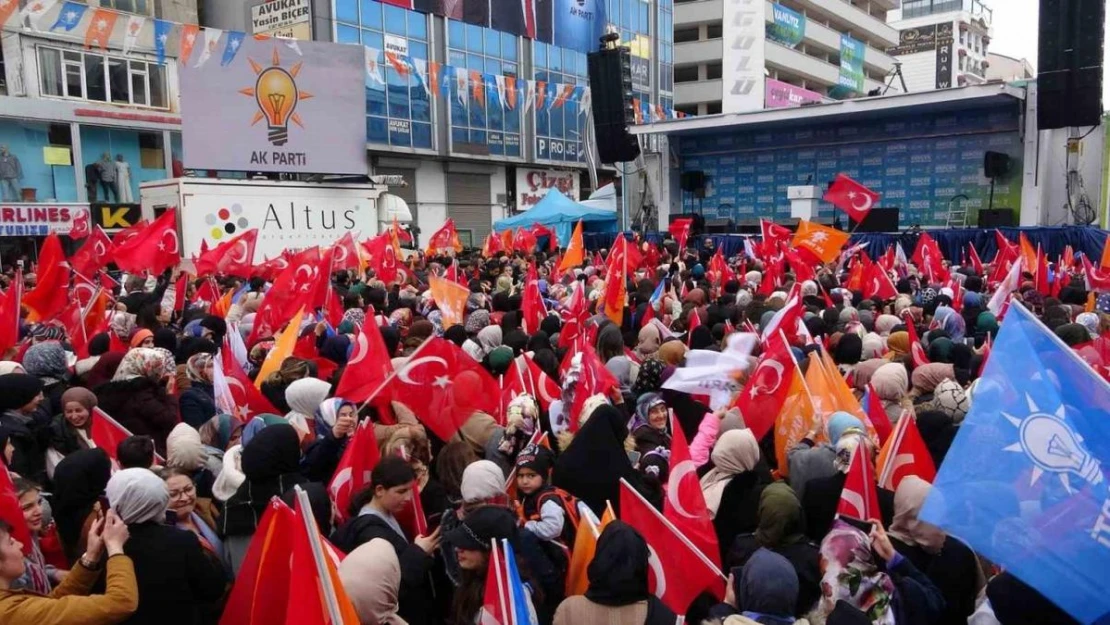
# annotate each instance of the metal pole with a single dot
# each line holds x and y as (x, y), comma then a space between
(624, 198)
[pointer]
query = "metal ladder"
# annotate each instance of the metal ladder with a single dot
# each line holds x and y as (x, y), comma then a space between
(956, 218)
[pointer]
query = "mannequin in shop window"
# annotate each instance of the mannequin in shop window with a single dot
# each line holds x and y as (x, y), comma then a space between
(11, 172)
(107, 170)
(123, 180)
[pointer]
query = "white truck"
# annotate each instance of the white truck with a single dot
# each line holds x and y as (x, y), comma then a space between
(287, 215)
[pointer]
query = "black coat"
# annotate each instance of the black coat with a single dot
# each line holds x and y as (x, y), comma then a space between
(821, 498)
(178, 583)
(197, 404)
(953, 571)
(30, 436)
(142, 406)
(917, 601)
(739, 510)
(804, 556)
(415, 601)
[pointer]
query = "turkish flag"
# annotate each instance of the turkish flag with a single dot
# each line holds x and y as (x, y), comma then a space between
(787, 317)
(680, 230)
(295, 285)
(593, 379)
(72, 318)
(249, 401)
(851, 197)
(905, 454)
(574, 316)
(492, 246)
(80, 227)
(545, 389)
(309, 600)
(533, 311)
(346, 253)
(444, 386)
(368, 367)
(677, 571)
(50, 294)
(233, 257)
(860, 498)
(129, 233)
(973, 256)
(773, 232)
(94, 253)
(352, 474)
(10, 313)
(107, 433)
(928, 257)
(524, 241)
(766, 389)
(154, 249)
(270, 269)
(11, 512)
(877, 284)
(265, 568)
(685, 504)
(873, 406)
(445, 238)
(917, 350)
(383, 259)
(803, 270)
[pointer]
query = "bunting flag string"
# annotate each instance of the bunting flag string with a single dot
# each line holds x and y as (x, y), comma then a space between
(96, 28)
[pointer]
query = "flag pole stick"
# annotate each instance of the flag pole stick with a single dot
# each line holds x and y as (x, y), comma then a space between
(393, 374)
(328, 591)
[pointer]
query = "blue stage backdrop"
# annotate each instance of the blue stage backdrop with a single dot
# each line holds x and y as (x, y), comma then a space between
(952, 242)
(917, 163)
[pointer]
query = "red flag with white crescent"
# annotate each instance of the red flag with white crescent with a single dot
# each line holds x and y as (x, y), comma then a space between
(685, 503)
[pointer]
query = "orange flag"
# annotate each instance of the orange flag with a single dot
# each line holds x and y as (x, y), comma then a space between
(823, 242)
(1029, 254)
(1105, 262)
(189, 33)
(585, 546)
(576, 251)
(433, 77)
(451, 298)
(283, 348)
(510, 92)
(100, 28)
(794, 420)
(478, 87)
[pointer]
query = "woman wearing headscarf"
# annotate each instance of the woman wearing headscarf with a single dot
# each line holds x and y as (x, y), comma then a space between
(71, 430)
(864, 371)
(781, 529)
(137, 396)
(648, 341)
(986, 324)
(47, 362)
(291, 370)
(304, 396)
(185, 451)
(891, 383)
(27, 425)
(672, 352)
(649, 380)
(848, 352)
(335, 420)
(651, 428)
(885, 323)
(271, 466)
(926, 378)
(899, 345)
(488, 339)
(618, 590)
(762, 592)
(732, 487)
(178, 583)
(371, 575)
(79, 481)
(873, 347)
(947, 562)
(198, 402)
(897, 594)
(592, 466)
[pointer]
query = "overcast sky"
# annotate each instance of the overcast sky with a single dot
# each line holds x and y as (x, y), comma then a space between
(1015, 33)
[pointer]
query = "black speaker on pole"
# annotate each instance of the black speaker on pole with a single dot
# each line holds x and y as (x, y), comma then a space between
(996, 165)
(691, 181)
(1069, 59)
(611, 92)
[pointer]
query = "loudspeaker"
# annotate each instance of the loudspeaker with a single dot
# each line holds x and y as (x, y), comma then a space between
(691, 181)
(996, 165)
(880, 220)
(1069, 77)
(719, 226)
(611, 88)
(697, 226)
(997, 218)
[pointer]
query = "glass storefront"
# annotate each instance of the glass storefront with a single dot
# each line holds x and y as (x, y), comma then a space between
(36, 162)
(116, 161)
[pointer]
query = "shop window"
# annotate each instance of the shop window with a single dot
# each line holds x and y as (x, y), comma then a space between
(36, 162)
(142, 155)
(102, 78)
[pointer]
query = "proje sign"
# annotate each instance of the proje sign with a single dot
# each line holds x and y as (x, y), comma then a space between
(533, 184)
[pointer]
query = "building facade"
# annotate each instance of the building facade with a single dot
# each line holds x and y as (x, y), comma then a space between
(465, 155)
(943, 43)
(1007, 68)
(735, 57)
(81, 126)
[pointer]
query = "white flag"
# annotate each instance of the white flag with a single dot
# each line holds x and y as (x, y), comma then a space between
(529, 94)
(421, 70)
(135, 25)
(585, 101)
(373, 69)
(500, 80)
(34, 11)
(225, 401)
(211, 39)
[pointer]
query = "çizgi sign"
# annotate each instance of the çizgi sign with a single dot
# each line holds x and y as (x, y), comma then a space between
(533, 184)
(276, 106)
(743, 56)
(787, 26)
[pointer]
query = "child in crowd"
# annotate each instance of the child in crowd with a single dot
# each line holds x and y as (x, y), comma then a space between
(542, 507)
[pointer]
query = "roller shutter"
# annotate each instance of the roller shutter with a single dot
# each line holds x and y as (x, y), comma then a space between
(468, 203)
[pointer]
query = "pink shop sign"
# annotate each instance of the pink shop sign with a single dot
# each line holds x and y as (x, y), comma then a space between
(784, 95)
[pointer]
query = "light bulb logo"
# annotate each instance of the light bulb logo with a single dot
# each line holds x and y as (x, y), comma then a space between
(1053, 446)
(276, 93)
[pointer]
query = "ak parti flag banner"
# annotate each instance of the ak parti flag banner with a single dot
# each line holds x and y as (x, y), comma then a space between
(576, 250)
(823, 242)
(1024, 483)
(451, 298)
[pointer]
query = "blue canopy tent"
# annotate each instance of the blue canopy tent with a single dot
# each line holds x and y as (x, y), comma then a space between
(560, 213)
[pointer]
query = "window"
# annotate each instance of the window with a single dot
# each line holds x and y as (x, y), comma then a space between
(685, 34)
(712, 31)
(713, 71)
(712, 108)
(560, 130)
(481, 123)
(398, 113)
(101, 78)
(142, 7)
(688, 73)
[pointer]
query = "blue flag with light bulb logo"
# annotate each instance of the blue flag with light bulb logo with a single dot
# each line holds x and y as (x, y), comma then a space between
(1025, 480)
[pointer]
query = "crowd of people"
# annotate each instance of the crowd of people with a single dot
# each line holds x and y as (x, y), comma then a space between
(156, 531)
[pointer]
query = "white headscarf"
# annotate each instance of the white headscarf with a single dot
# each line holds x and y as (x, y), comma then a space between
(371, 575)
(482, 480)
(231, 477)
(184, 449)
(304, 396)
(736, 451)
(138, 496)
